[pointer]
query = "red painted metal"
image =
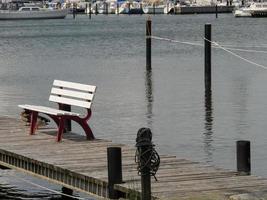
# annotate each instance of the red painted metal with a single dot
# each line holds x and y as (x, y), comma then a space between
(33, 122)
(60, 121)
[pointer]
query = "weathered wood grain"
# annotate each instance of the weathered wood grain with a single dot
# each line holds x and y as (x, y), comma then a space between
(80, 164)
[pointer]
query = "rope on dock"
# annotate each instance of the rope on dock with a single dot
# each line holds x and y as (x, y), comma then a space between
(45, 188)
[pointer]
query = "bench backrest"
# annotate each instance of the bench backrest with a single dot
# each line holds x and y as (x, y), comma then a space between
(70, 93)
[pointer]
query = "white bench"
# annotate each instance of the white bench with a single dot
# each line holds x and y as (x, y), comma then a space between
(66, 94)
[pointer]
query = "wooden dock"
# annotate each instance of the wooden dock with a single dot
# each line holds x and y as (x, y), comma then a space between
(82, 165)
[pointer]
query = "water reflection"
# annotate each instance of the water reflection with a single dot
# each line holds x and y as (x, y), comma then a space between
(149, 97)
(208, 133)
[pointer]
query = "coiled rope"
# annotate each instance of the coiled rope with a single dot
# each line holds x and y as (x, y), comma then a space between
(148, 158)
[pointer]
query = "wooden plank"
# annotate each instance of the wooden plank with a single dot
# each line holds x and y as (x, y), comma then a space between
(72, 85)
(68, 101)
(71, 93)
(177, 178)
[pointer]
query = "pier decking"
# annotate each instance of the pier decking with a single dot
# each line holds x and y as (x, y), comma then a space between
(82, 165)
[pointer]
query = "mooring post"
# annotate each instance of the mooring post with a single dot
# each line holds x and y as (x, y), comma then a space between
(118, 10)
(90, 12)
(68, 192)
(106, 7)
(216, 10)
(96, 9)
(148, 44)
(141, 7)
(207, 42)
(147, 159)
(243, 157)
(114, 170)
(129, 8)
(154, 9)
(73, 11)
(68, 121)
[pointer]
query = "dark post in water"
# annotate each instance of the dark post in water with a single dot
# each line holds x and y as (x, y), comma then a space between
(243, 157)
(207, 42)
(118, 9)
(148, 44)
(96, 9)
(90, 12)
(114, 170)
(216, 10)
(74, 11)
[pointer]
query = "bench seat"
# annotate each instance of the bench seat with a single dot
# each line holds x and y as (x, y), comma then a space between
(47, 110)
(65, 94)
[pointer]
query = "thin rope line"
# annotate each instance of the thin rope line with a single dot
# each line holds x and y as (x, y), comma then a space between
(235, 46)
(243, 50)
(198, 44)
(176, 41)
(43, 187)
(234, 54)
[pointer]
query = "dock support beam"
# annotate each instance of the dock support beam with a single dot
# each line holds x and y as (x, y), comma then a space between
(207, 42)
(243, 157)
(148, 44)
(114, 171)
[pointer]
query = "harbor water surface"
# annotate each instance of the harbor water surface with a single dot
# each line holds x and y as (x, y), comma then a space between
(109, 52)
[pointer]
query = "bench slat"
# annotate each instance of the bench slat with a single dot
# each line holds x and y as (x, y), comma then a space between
(47, 110)
(71, 93)
(69, 101)
(76, 86)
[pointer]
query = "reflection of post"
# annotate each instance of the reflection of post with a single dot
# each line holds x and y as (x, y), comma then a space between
(208, 125)
(149, 96)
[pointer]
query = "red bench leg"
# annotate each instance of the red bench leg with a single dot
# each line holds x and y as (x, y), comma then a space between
(60, 129)
(34, 116)
(87, 129)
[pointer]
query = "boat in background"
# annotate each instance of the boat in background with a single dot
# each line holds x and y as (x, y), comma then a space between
(130, 8)
(33, 12)
(254, 9)
(153, 9)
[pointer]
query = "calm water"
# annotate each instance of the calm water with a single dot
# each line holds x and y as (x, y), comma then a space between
(109, 51)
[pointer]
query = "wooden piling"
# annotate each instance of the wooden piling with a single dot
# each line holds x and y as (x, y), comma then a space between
(118, 9)
(243, 157)
(74, 11)
(148, 44)
(96, 9)
(216, 10)
(90, 11)
(143, 144)
(114, 170)
(129, 8)
(207, 46)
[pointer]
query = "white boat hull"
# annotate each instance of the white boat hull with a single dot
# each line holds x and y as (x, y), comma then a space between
(152, 10)
(44, 14)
